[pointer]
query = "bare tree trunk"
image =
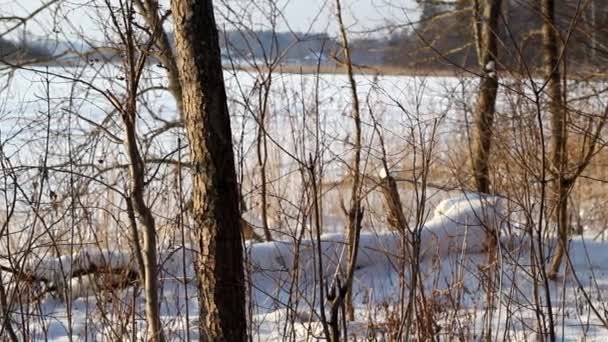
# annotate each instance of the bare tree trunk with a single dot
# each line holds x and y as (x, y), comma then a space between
(150, 274)
(150, 11)
(355, 200)
(559, 139)
(214, 187)
(486, 31)
(134, 62)
(392, 202)
(262, 152)
(594, 28)
(486, 102)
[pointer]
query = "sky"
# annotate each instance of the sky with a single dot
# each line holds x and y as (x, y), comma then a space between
(81, 17)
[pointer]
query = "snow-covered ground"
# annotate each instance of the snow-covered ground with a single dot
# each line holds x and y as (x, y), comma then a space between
(307, 114)
(452, 261)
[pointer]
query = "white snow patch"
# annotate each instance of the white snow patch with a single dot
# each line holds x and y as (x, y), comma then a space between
(491, 66)
(461, 223)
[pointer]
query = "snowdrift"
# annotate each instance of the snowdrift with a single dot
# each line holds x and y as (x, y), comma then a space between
(452, 249)
(459, 225)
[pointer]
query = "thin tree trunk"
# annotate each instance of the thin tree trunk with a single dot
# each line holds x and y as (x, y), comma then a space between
(486, 102)
(594, 29)
(134, 62)
(355, 200)
(262, 152)
(137, 189)
(486, 29)
(214, 187)
(559, 157)
(392, 202)
(150, 11)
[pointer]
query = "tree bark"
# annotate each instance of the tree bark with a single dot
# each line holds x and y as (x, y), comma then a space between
(355, 200)
(559, 157)
(262, 152)
(214, 187)
(486, 29)
(150, 11)
(486, 102)
(137, 202)
(146, 254)
(392, 203)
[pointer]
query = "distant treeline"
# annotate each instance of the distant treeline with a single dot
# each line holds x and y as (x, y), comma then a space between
(297, 47)
(17, 51)
(270, 46)
(443, 39)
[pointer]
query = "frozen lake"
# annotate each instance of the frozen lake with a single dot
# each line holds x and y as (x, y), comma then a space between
(64, 169)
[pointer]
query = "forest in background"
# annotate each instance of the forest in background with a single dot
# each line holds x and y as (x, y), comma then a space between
(442, 39)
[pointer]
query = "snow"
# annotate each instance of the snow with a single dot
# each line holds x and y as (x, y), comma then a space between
(382, 172)
(452, 236)
(461, 228)
(491, 66)
(452, 254)
(452, 259)
(464, 221)
(57, 269)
